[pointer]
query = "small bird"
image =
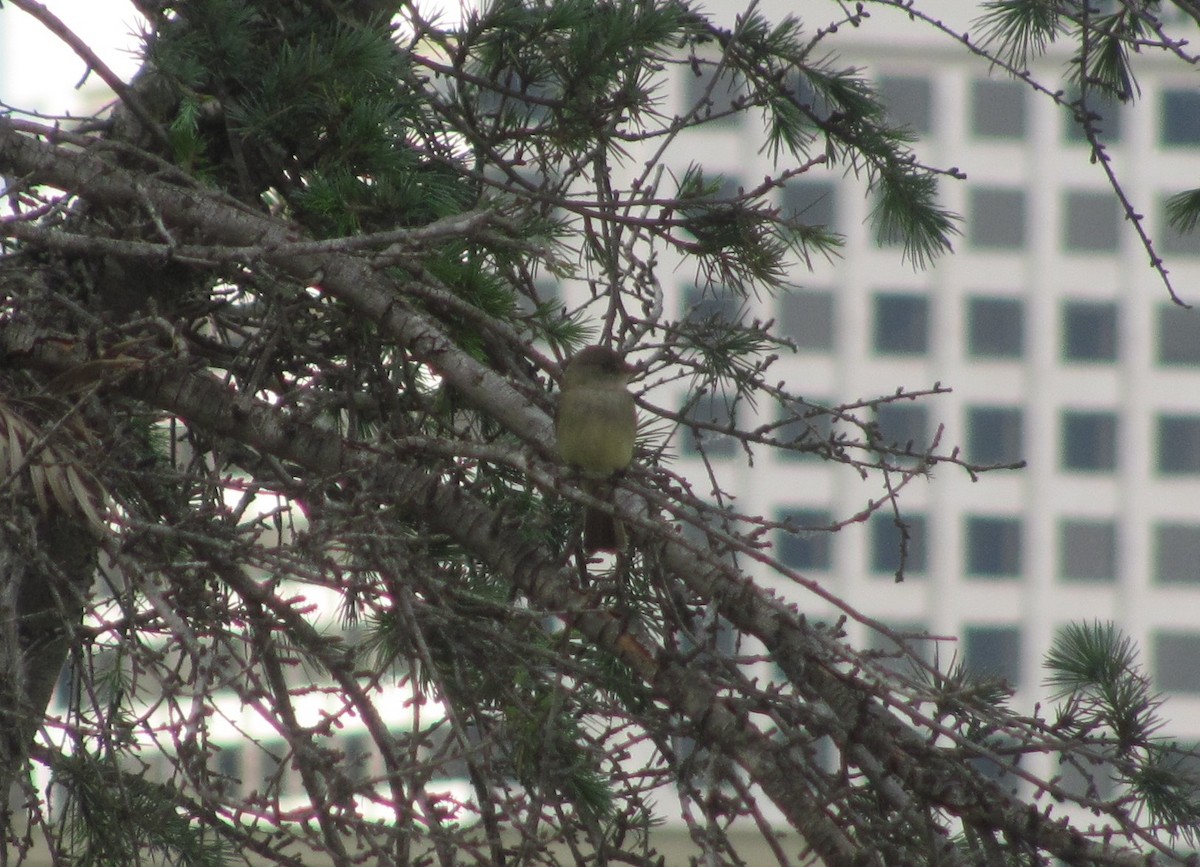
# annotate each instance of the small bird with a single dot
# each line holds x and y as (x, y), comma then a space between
(596, 428)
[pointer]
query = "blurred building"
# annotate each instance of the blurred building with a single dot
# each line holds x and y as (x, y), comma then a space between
(1059, 341)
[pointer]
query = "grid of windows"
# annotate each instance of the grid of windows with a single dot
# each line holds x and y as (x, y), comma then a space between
(993, 547)
(891, 543)
(995, 327)
(1179, 444)
(996, 218)
(1089, 441)
(1091, 221)
(1089, 331)
(998, 108)
(901, 324)
(994, 434)
(809, 547)
(1087, 550)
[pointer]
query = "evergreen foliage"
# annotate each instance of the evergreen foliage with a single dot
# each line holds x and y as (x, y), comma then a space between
(285, 312)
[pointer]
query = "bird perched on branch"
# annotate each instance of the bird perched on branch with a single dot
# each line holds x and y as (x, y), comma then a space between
(596, 428)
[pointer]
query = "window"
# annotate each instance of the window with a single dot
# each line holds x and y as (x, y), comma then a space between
(807, 97)
(813, 203)
(1104, 112)
(1084, 778)
(1178, 335)
(1091, 222)
(1180, 118)
(993, 547)
(809, 425)
(995, 327)
(903, 426)
(809, 547)
(893, 656)
(1087, 550)
(713, 302)
(545, 292)
(713, 409)
(715, 101)
(901, 324)
(993, 652)
(1175, 655)
(994, 435)
(886, 541)
(1089, 441)
(806, 318)
(909, 101)
(1178, 444)
(1177, 554)
(996, 218)
(1089, 331)
(998, 108)
(1171, 240)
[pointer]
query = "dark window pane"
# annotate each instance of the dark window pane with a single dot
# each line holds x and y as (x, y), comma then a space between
(710, 409)
(710, 96)
(1171, 240)
(1175, 656)
(998, 108)
(1089, 331)
(813, 203)
(901, 324)
(895, 658)
(1179, 444)
(886, 539)
(903, 426)
(806, 318)
(1107, 120)
(995, 327)
(810, 426)
(1178, 335)
(1082, 777)
(1089, 440)
(994, 435)
(909, 101)
(809, 548)
(713, 302)
(807, 97)
(1177, 554)
(993, 651)
(1088, 550)
(1091, 222)
(993, 547)
(1181, 117)
(996, 218)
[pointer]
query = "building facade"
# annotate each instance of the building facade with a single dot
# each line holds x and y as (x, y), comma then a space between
(1059, 343)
